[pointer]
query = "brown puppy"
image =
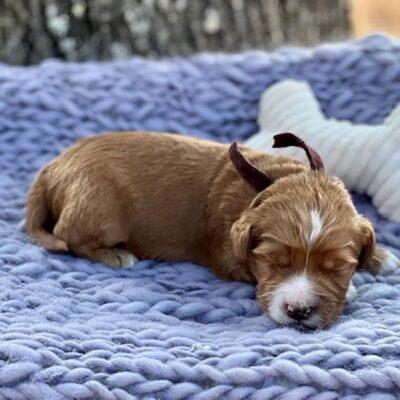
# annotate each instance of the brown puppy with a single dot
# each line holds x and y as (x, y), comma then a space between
(250, 216)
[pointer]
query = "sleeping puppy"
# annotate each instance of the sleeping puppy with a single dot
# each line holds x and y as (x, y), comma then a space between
(253, 217)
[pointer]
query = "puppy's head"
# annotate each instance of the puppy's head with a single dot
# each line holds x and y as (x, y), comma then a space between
(303, 240)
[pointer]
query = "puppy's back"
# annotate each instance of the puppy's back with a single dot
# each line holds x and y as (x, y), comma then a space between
(154, 185)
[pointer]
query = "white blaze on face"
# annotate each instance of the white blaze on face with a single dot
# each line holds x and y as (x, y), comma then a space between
(296, 292)
(317, 226)
(299, 290)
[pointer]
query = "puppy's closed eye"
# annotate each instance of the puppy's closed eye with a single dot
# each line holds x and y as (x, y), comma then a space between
(283, 260)
(328, 264)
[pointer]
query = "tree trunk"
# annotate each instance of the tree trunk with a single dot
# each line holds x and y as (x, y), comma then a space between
(32, 30)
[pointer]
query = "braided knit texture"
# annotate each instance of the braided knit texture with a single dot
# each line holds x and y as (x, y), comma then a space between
(73, 329)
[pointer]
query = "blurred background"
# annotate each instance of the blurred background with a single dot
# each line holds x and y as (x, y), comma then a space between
(77, 30)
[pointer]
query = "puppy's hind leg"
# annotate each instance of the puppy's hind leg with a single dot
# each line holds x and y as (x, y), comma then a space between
(111, 249)
(112, 256)
(101, 242)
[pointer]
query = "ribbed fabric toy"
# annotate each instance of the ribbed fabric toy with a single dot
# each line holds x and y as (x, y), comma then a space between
(365, 157)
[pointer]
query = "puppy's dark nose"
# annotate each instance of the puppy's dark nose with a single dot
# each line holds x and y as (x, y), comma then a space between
(298, 313)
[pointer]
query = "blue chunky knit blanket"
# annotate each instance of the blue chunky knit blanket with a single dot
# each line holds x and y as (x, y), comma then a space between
(73, 329)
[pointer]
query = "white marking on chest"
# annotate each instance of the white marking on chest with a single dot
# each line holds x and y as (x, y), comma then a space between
(317, 226)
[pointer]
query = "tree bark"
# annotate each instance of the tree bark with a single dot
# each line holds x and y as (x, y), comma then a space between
(32, 30)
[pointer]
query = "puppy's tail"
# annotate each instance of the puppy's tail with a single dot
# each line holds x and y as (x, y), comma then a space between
(38, 214)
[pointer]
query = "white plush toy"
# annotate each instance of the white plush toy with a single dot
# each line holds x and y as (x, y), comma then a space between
(365, 157)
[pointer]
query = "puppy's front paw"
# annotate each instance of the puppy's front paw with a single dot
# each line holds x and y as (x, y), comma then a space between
(390, 262)
(383, 260)
(116, 258)
(351, 293)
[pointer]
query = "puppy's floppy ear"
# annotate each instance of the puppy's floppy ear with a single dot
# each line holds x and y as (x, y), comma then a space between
(288, 139)
(256, 178)
(241, 239)
(367, 241)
